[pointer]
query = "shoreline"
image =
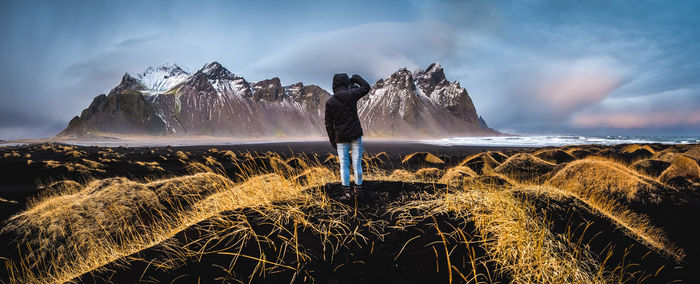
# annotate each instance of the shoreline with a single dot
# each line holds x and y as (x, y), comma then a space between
(520, 141)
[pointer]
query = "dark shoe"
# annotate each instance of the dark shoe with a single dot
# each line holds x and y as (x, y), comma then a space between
(356, 189)
(346, 193)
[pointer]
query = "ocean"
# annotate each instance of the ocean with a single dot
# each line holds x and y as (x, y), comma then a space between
(559, 140)
(513, 141)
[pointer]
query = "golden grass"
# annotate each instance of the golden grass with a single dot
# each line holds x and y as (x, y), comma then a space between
(650, 167)
(637, 149)
(423, 157)
(524, 167)
(554, 156)
(74, 166)
(151, 166)
(603, 184)
(601, 176)
(12, 154)
(457, 176)
(181, 155)
(75, 154)
(578, 153)
(693, 152)
(92, 164)
(681, 167)
(515, 238)
(230, 155)
(70, 234)
(402, 175)
(429, 174)
(75, 228)
(480, 162)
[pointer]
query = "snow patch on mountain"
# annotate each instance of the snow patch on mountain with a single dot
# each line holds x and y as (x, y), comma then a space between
(159, 80)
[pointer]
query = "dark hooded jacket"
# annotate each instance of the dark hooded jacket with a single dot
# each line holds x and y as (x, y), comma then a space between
(342, 122)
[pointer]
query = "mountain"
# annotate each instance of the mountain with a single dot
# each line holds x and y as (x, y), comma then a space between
(420, 103)
(168, 100)
(212, 101)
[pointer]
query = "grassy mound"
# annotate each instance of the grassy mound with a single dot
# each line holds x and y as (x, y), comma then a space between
(480, 162)
(429, 174)
(422, 158)
(556, 156)
(650, 167)
(596, 176)
(402, 175)
(681, 171)
(107, 219)
(693, 152)
(525, 167)
(579, 153)
(457, 176)
(634, 152)
(498, 156)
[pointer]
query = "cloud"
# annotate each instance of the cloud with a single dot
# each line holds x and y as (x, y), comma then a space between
(564, 87)
(530, 89)
(639, 120)
(665, 109)
(375, 50)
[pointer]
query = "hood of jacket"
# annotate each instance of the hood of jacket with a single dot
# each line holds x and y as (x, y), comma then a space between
(341, 81)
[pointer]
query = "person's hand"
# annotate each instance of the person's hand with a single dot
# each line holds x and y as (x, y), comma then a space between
(355, 78)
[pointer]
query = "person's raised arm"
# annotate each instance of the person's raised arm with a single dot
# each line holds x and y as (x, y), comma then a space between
(330, 127)
(359, 92)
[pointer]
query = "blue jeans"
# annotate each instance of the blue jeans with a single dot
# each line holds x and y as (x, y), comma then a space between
(344, 157)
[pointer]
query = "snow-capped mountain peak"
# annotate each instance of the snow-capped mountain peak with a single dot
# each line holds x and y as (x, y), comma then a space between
(214, 71)
(158, 80)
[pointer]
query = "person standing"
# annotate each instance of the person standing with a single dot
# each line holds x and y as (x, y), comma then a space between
(344, 128)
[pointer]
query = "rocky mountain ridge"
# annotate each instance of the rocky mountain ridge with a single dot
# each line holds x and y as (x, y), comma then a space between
(167, 100)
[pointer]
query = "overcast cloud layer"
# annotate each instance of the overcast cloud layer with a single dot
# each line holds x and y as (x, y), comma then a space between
(565, 67)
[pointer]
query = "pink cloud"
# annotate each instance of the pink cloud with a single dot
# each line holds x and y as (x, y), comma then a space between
(630, 120)
(570, 86)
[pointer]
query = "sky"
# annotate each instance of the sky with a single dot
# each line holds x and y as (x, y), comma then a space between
(531, 67)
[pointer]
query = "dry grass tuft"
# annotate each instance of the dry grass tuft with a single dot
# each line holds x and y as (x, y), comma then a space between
(525, 167)
(75, 154)
(513, 235)
(693, 152)
(422, 157)
(638, 150)
(682, 167)
(402, 175)
(181, 155)
(579, 153)
(150, 166)
(556, 156)
(230, 155)
(457, 176)
(73, 166)
(12, 154)
(595, 176)
(92, 164)
(650, 167)
(604, 185)
(66, 235)
(429, 174)
(498, 156)
(480, 163)
(309, 175)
